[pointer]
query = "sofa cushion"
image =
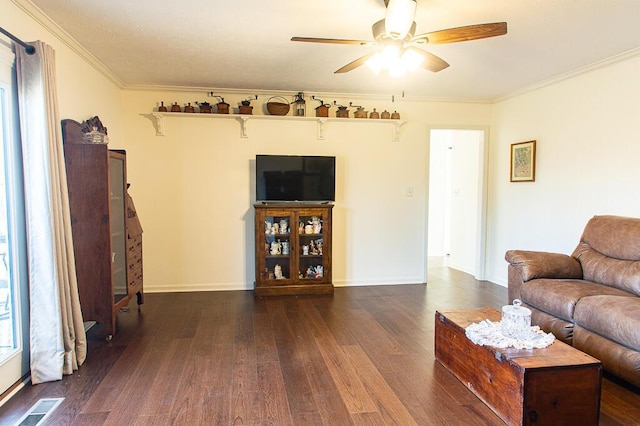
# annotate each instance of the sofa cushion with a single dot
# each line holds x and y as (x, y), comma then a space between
(563, 330)
(613, 236)
(608, 251)
(559, 297)
(596, 267)
(615, 317)
(615, 358)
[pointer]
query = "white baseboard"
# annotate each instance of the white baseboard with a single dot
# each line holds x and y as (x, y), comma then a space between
(179, 288)
(15, 390)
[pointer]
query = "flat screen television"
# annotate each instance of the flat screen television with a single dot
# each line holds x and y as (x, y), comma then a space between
(295, 178)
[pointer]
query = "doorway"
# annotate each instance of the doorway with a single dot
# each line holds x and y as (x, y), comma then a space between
(457, 198)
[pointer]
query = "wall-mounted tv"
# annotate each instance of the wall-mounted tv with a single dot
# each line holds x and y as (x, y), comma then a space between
(291, 178)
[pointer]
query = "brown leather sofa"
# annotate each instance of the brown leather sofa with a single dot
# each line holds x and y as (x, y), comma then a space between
(591, 299)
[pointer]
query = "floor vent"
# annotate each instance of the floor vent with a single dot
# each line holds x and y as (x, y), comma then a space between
(39, 412)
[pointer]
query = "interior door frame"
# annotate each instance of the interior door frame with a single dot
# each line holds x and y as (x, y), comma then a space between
(481, 211)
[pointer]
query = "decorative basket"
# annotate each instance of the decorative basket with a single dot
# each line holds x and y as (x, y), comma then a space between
(277, 108)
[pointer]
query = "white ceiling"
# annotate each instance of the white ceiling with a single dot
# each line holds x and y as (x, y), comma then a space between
(245, 44)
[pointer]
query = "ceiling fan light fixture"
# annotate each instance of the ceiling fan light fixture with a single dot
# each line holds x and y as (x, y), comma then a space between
(395, 61)
(390, 54)
(396, 69)
(399, 18)
(375, 63)
(411, 59)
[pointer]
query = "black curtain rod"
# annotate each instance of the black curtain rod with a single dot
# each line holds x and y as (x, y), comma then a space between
(27, 47)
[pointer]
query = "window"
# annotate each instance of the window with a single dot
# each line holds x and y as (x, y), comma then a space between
(13, 301)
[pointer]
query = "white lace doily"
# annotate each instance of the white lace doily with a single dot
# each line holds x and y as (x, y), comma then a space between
(489, 333)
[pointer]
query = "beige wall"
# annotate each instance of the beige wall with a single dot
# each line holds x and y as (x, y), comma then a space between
(194, 189)
(588, 145)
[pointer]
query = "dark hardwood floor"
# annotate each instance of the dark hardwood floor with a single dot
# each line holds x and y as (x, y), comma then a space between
(361, 356)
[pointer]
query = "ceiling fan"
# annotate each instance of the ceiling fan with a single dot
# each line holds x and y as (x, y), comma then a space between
(398, 46)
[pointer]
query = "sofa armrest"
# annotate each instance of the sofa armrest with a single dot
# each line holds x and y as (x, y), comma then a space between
(528, 265)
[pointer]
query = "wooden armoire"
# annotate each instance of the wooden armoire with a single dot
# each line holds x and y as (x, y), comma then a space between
(107, 236)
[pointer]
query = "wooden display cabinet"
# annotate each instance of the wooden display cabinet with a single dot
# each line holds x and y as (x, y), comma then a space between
(293, 249)
(108, 250)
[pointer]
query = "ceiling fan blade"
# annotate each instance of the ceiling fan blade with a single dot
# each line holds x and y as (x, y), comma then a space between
(331, 40)
(470, 32)
(354, 64)
(432, 62)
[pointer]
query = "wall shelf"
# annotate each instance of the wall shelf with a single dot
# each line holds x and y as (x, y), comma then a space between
(244, 120)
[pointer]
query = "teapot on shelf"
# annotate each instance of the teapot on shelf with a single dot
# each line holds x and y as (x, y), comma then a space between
(205, 107)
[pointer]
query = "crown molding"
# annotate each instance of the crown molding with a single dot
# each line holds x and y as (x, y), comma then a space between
(41, 18)
(622, 57)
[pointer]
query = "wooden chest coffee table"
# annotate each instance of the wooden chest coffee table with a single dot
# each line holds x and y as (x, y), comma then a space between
(557, 385)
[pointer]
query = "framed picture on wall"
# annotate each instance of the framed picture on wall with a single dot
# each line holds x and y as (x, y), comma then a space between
(523, 161)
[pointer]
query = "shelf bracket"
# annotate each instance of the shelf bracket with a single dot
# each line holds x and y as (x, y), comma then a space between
(396, 129)
(322, 124)
(159, 124)
(244, 126)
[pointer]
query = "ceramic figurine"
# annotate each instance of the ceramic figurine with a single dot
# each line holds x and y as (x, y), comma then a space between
(278, 272)
(275, 228)
(285, 247)
(305, 250)
(276, 248)
(267, 227)
(316, 223)
(283, 226)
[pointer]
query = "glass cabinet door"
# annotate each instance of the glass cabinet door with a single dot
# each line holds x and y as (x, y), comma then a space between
(277, 247)
(117, 218)
(311, 244)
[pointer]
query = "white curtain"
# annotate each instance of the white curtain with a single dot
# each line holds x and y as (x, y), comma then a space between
(58, 340)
